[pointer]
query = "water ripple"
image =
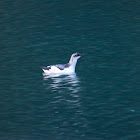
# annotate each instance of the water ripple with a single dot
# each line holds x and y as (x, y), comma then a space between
(59, 82)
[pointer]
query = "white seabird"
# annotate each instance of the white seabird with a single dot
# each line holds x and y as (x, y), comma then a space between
(63, 68)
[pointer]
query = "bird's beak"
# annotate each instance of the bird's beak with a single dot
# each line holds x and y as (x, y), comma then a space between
(82, 55)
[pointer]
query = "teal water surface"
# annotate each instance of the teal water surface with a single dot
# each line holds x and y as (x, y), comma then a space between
(100, 101)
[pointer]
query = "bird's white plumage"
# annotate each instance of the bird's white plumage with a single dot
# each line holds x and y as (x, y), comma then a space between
(63, 68)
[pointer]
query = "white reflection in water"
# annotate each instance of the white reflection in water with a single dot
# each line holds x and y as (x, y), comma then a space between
(72, 103)
(69, 82)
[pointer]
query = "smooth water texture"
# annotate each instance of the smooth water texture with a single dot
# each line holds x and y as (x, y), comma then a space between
(100, 101)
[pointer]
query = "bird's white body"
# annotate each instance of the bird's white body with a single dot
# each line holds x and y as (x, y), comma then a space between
(54, 69)
(63, 68)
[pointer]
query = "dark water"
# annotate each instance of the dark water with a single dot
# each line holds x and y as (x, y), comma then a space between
(100, 102)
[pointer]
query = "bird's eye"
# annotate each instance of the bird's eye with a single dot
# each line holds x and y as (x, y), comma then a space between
(77, 54)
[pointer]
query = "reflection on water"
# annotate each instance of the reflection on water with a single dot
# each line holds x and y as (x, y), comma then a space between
(69, 82)
(66, 104)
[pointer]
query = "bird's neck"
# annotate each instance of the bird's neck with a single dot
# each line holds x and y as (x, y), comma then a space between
(72, 62)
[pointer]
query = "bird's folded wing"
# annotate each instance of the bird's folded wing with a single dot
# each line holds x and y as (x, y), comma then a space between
(60, 66)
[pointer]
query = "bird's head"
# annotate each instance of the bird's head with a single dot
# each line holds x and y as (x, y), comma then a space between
(75, 57)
